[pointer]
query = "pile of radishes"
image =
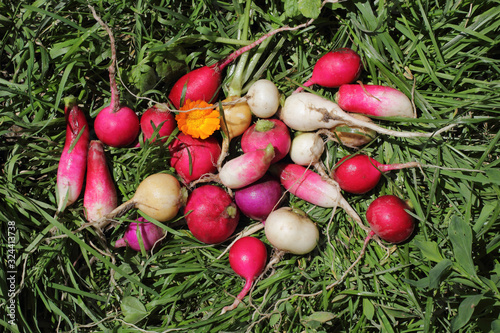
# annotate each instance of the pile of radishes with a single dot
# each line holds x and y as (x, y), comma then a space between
(282, 148)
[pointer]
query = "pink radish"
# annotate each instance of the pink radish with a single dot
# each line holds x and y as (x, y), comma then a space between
(154, 118)
(212, 216)
(389, 219)
(247, 258)
(141, 232)
(73, 161)
(192, 158)
(335, 68)
(359, 174)
(266, 131)
(374, 100)
(310, 112)
(100, 196)
(115, 125)
(259, 199)
(247, 168)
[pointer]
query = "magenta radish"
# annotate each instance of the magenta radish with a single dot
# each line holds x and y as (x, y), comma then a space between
(335, 68)
(246, 168)
(73, 161)
(260, 198)
(153, 118)
(291, 230)
(115, 125)
(374, 100)
(191, 158)
(212, 216)
(263, 98)
(306, 148)
(139, 233)
(247, 258)
(389, 219)
(309, 112)
(266, 131)
(100, 196)
(359, 174)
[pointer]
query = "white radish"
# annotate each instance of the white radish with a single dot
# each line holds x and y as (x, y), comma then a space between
(263, 98)
(306, 148)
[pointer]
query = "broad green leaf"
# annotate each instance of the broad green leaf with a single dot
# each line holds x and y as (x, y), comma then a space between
(133, 310)
(368, 308)
(465, 311)
(437, 272)
(317, 318)
(429, 249)
(291, 8)
(310, 8)
(460, 234)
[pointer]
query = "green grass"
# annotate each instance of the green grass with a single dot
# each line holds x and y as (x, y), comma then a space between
(444, 279)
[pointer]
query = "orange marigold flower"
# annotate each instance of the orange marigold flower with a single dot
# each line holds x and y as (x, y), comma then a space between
(199, 123)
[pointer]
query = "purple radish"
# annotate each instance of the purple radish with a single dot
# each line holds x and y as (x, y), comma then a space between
(338, 67)
(266, 131)
(142, 231)
(259, 199)
(374, 100)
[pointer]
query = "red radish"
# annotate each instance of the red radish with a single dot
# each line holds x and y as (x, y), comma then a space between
(247, 258)
(73, 161)
(144, 232)
(359, 174)
(192, 158)
(389, 219)
(266, 131)
(259, 199)
(115, 125)
(247, 168)
(154, 118)
(212, 215)
(310, 112)
(204, 82)
(335, 68)
(374, 100)
(100, 196)
(291, 230)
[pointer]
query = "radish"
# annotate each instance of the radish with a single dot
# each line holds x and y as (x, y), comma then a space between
(359, 174)
(259, 199)
(266, 131)
(306, 148)
(115, 125)
(155, 118)
(73, 161)
(160, 196)
(291, 230)
(247, 258)
(389, 219)
(310, 112)
(263, 98)
(247, 168)
(141, 232)
(335, 68)
(374, 100)
(100, 196)
(192, 158)
(212, 216)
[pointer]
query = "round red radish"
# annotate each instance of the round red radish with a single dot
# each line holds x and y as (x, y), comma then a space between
(200, 84)
(266, 131)
(259, 199)
(335, 68)
(153, 118)
(149, 233)
(117, 129)
(389, 219)
(192, 158)
(359, 174)
(212, 216)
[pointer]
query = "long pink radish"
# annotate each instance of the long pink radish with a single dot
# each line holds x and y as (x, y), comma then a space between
(100, 196)
(335, 68)
(247, 258)
(246, 168)
(73, 161)
(359, 174)
(374, 100)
